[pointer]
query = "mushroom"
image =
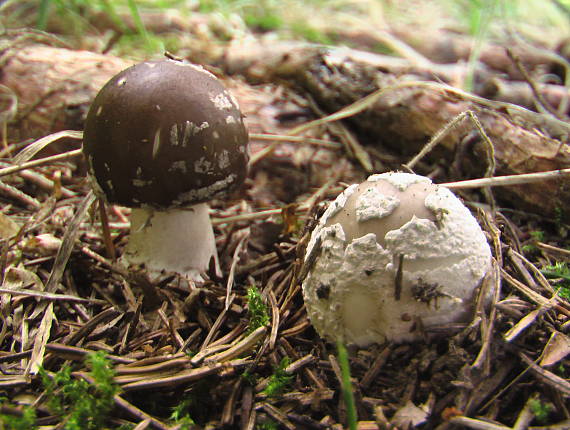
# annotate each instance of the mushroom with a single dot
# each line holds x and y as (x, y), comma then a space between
(393, 258)
(164, 137)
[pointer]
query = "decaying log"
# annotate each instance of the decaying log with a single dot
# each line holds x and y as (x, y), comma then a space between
(450, 47)
(54, 86)
(405, 119)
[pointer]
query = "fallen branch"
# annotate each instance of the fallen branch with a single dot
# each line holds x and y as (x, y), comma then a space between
(393, 108)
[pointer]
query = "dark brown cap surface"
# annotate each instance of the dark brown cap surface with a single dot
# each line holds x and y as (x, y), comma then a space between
(165, 134)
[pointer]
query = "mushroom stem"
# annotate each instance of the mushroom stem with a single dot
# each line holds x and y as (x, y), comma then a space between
(175, 240)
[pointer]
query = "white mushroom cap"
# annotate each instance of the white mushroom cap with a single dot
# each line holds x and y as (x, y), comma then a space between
(393, 258)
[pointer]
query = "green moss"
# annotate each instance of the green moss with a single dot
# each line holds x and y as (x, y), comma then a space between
(27, 421)
(181, 415)
(267, 425)
(309, 33)
(82, 406)
(540, 410)
(559, 270)
(250, 378)
(536, 236)
(263, 22)
(279, 380)
(256, 310)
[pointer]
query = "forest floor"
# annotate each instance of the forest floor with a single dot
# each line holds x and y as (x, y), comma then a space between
(326, 105)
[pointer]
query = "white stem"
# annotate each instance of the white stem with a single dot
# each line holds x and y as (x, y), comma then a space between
(177, 240)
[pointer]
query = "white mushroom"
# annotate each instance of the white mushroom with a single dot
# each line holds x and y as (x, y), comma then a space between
(391, 259)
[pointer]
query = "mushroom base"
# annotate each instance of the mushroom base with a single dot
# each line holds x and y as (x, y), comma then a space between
(177, 240)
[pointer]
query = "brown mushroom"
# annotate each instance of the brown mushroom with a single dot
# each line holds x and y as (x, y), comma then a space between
(164, 137)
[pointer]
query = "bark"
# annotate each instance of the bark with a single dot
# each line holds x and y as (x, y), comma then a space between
(54, 86)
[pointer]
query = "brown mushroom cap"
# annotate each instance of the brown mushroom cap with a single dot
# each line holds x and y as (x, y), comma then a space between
(165, 134)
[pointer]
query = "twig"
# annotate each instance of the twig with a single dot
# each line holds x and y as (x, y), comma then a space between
(372, 373)
(296, 139)
(535, 90)
(219, 320)
(35, 147)
(239, 348)
(502, 181)
(40, 162)
(40, 341)
(51, 185)
(50, 296)
(302, 208)
(143, 424)
(475, 424)
(277, 415)
(107, 239)
(534, 296)
(275, 317)
(278, 139)
(16, 194)
(68, 242)
(489, 147)
(235, 260)
(435, 139)
(90, 325)
(175, 336)
(68, 350)
(182, 377)
(550, 248)
(546, 376)
(135, 368)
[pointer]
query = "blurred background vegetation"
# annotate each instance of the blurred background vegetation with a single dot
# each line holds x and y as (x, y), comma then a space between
(131, 27)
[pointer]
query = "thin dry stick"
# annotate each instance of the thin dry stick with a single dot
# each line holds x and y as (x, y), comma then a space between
(542, 104)
(472, 423)
(143, 424)
(35, 147)
(302, 208)
(501, 181)
(68, 242)
(296, 139)
(40, 162)
(278, 139)
(247, 216)
(107, 239)
(241, 347)
(231, 275)
(436, 139)
(16, 194)
(50, 296)
(216, 326)
(526, 415)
